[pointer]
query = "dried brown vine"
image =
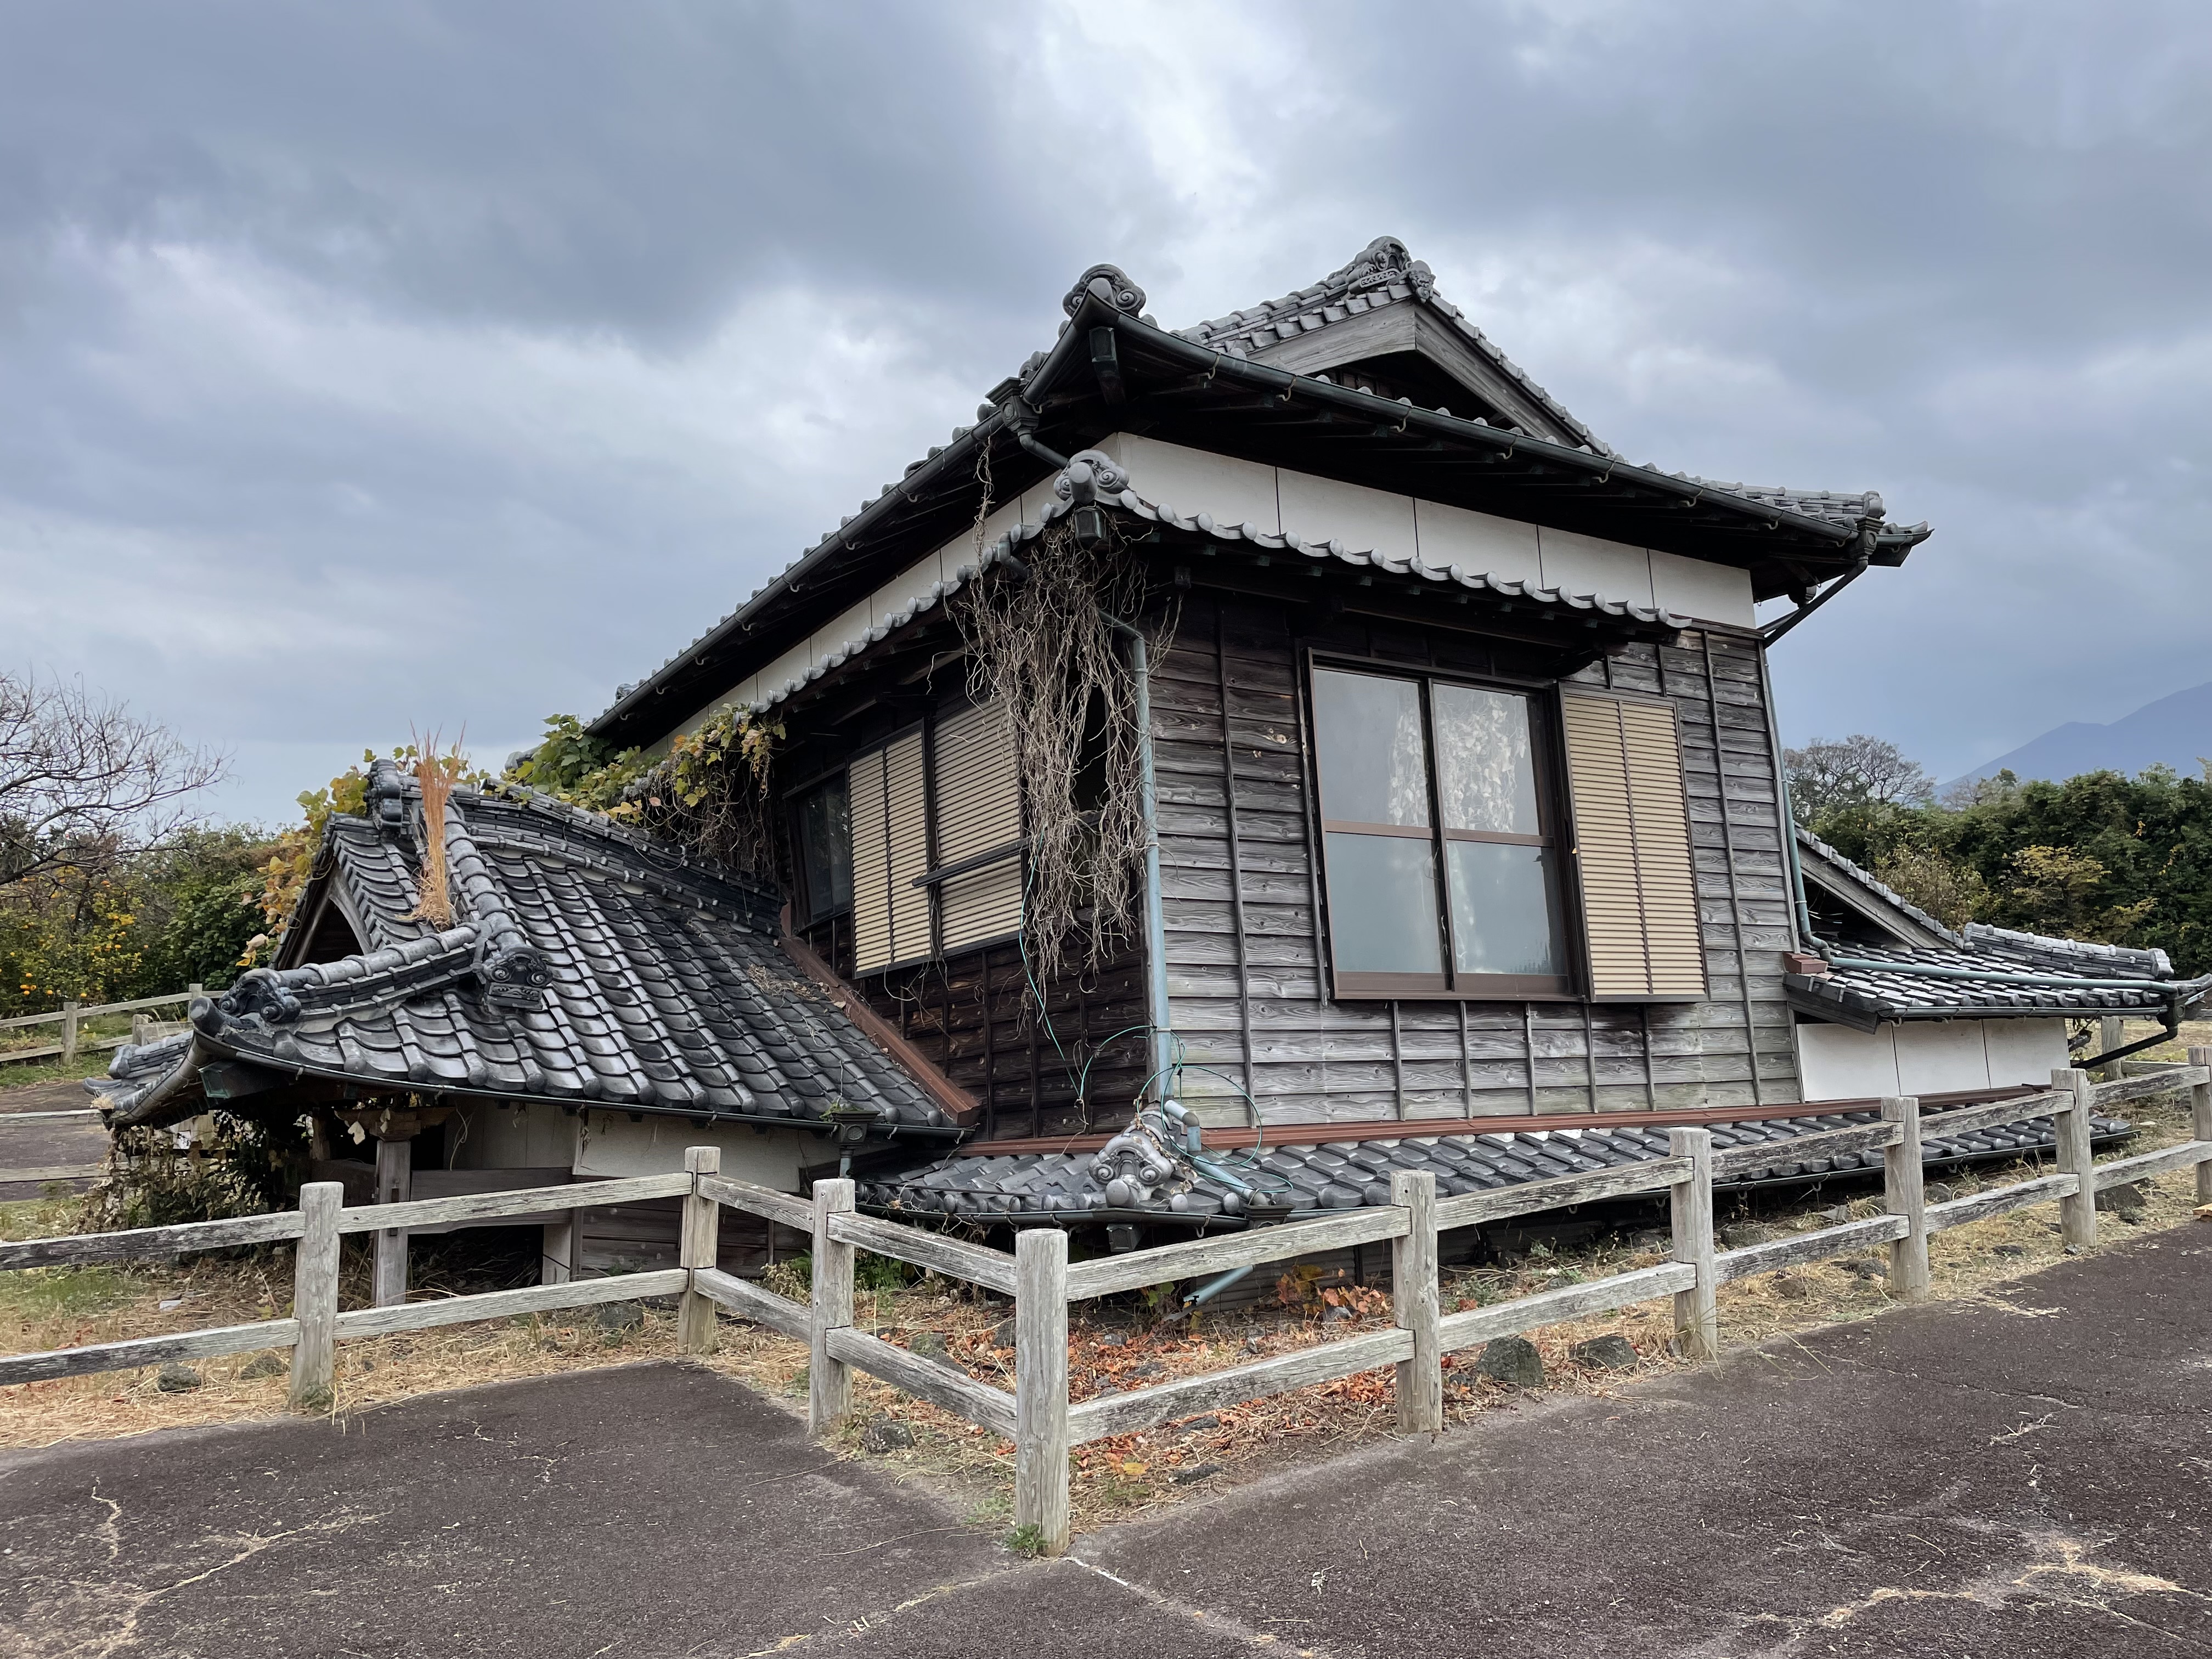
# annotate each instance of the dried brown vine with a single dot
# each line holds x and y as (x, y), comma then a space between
(1042, 645)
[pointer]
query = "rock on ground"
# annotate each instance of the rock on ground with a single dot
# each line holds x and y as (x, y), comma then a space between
(1512, 1360)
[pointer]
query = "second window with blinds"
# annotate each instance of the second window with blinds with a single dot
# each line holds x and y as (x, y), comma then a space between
(1446, 851)
(936, 836)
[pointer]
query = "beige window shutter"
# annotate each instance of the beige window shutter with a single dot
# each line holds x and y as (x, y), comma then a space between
(888, 810)
(979, 811)
(1639, 890)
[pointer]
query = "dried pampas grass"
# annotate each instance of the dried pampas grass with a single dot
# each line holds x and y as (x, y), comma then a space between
(437, 774)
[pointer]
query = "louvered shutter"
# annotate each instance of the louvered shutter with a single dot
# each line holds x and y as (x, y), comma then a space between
(1632, 849)
(889, 810)
(979, 811)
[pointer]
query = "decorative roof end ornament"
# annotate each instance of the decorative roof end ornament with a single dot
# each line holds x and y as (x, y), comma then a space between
(1383, 261)
(1111, 286)
(258, 997)
(385, 797)
(516, 979)
(1087, 475)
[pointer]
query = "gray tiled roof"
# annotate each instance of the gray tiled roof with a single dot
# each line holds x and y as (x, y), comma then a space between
(1878, 892)
(2070, 955)
(1343, 1176)
(589, 964)
(1382, 273)
(1115, 488)
(1863, 996)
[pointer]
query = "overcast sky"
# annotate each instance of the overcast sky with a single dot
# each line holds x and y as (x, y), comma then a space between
(371, 366)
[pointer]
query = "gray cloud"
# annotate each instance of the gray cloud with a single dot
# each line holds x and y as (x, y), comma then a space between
(371, 365)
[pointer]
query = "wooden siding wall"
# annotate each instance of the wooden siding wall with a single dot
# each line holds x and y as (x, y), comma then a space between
(968, 1015)
(1247, 992)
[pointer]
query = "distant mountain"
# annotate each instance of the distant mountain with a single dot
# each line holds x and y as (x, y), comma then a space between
(2174, 730)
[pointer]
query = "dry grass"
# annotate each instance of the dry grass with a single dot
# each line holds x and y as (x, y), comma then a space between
(1111, 1347)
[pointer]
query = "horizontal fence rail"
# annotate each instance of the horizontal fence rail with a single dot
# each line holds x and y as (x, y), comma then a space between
(71, 1015)
(1038, 1414)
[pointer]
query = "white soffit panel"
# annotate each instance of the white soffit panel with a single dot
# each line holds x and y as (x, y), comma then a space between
(1477, 542)
(1578, 564)
(1834, 1062)
(1192, 481)
(2023, 1050)
(1323, 510)
(1708, 591)
(1936, 1056)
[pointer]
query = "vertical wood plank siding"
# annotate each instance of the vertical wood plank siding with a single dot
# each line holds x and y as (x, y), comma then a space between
(1248, 994)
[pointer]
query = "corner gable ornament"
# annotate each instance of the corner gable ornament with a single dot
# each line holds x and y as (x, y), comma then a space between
(1086, 474)
(1110, 284)
(258, 997)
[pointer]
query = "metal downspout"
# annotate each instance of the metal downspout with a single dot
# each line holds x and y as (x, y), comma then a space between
(1805, 938)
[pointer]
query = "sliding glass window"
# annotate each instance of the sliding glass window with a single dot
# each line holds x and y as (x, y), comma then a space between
(1442, 871)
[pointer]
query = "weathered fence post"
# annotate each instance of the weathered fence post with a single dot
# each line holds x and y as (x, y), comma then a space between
(315, 1296)
(829, 1382)
(68, 1032)
(1414, 1302)
(702, 1238)
(395, 1176)
(1690, 1207)
(2200, 1114)
(1904, 1193)
(556, 1251)
(2070, 1126)
(1041, 1386)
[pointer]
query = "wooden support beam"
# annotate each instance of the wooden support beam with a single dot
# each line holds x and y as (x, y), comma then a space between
(395, 1164)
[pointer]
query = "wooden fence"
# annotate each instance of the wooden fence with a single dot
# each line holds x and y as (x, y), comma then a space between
(1038, 1414)
(72, 1017)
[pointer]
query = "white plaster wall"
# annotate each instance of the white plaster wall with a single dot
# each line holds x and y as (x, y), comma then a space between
(1478, 542)
(2023, 1050)
(1226, 489)
(1278, 500)
(1324, 510)
(537, 1136)
(1928, 1057)
(1693, 587)
(609, 1144)
(1935, 1056)
(1583, 564)
(1835, 1062)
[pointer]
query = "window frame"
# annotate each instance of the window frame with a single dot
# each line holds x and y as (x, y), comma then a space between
(1553, 817)
(805, 912)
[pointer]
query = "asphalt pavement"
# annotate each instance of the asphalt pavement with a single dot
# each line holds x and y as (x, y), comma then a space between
(2029, 1473)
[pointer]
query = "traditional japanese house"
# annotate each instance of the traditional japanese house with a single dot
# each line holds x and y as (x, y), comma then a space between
(1462, 839)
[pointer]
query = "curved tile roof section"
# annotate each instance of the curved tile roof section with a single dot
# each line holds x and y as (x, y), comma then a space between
(1866, 996)
(592, 966)
(1093, 475)
(2070, 955)
(1064, 1187)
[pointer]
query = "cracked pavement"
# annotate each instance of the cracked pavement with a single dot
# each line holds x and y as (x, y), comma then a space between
(2025, 1474)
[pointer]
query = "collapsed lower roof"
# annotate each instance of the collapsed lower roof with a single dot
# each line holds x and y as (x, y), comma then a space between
(588, 964)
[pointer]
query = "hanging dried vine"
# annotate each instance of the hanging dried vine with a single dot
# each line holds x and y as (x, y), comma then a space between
(1043, 648)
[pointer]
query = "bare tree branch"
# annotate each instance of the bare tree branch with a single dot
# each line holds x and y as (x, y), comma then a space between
(84, 782)
(1859, 771)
